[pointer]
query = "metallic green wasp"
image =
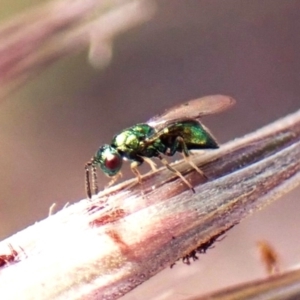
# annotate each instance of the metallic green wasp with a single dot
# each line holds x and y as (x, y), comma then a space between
(176, 130)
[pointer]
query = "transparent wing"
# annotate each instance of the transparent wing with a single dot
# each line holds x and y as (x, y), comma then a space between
(193, 109)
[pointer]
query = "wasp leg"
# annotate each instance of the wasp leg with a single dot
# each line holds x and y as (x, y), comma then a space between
(186, 154)
(150, 162)
(188, 160)
(166, 164)
(114, 179)
(134, 168)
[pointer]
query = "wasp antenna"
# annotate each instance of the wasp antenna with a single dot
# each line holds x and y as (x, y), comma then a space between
(87, 179)
(94, 179)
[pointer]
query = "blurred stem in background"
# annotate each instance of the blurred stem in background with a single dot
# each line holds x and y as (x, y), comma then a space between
(34, 40)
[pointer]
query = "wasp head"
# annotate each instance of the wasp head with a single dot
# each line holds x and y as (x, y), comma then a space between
(109, 160)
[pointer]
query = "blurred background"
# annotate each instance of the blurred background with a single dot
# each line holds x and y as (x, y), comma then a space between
(52, 125)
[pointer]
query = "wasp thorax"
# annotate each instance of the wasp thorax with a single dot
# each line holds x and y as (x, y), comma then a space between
(109, 159)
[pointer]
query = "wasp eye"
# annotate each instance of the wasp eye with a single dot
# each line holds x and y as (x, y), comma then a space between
(109, 160)
(113, 161)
